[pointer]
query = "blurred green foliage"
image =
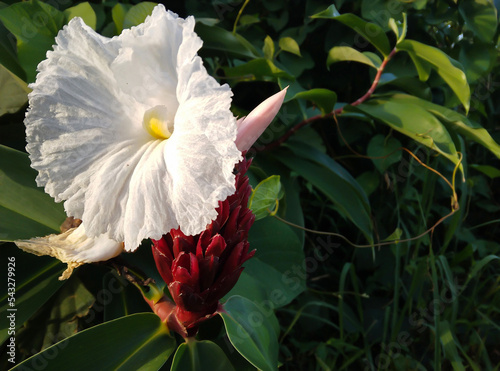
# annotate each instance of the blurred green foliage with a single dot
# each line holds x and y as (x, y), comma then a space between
(389, 132)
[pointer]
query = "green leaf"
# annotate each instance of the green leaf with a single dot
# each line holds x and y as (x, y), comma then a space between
(268, 48)
(271, 277)
(325, 99)
(480, 17)
(35, 25)
(413, 121)
(331, 179)
(386, 149)
(490, 171)
(456, 122)
(477, 59)
(221, 40)
(289, 45)
(118, 13)
(265, 197)
(138, 13)
(200, 355)
(8, 53)
(450, 349)
(136, 342)
(373, 33)
(328, 13)
(399, 29)
(425, 55)
(251, 332)
(346, 53)
(35, 282)
(60, 318)
(13, 92)
(25, 210)
(256, 69)
(84, 11)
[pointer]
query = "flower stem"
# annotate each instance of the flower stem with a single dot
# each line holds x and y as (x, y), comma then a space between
(335, 112)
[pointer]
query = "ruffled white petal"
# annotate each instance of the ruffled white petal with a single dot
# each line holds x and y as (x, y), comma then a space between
(86, 137)
(73, 247)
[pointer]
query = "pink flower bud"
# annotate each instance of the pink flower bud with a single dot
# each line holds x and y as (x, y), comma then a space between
(252, 126)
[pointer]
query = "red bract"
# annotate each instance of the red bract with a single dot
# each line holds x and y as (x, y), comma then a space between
(199, 270)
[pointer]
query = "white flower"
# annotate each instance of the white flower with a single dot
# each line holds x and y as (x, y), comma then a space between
(73, 247)
(131, 132)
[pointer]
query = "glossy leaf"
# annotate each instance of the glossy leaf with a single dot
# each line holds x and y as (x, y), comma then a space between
(251, 332)
(414, 121)
(84, 11)
(325, 99)
(480, 17)
(138, 13)
(440, 62)
(35, 282)
(34, 38)
(220, 40)
(455, 121)
(289, 45)
(203, 355)
(256, 69)
(25, 210)
(265, 197)
(384, 151)
(276, 274)
(8, 53)
(60, 318)
(136, 342)
(13, 92)
(333, 180)
(490, 171)
(346, 53)
(328, 13)
(373, 33)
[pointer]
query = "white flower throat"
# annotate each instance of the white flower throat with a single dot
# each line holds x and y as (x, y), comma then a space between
(157, 122)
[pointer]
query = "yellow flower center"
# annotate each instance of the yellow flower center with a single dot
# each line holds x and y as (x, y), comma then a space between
(157, 122)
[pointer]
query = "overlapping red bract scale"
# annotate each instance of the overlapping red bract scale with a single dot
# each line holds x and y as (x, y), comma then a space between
(199, 270)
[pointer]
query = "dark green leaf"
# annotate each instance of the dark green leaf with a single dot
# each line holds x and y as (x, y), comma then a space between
(453, 76)
(373, 33)
(333, 180)
(256, 69)
(328, 13)
(199, 356)
(219, 39)
(490, 171)
(8, 53)
(384, 151)
(481, 17)
(25, 210)
(35, 25)
(84, 11)
(414, 121)
(60, 318)
(275, 275)
(35, 282)
(251, 332)
(325, 99)
(136, 342)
